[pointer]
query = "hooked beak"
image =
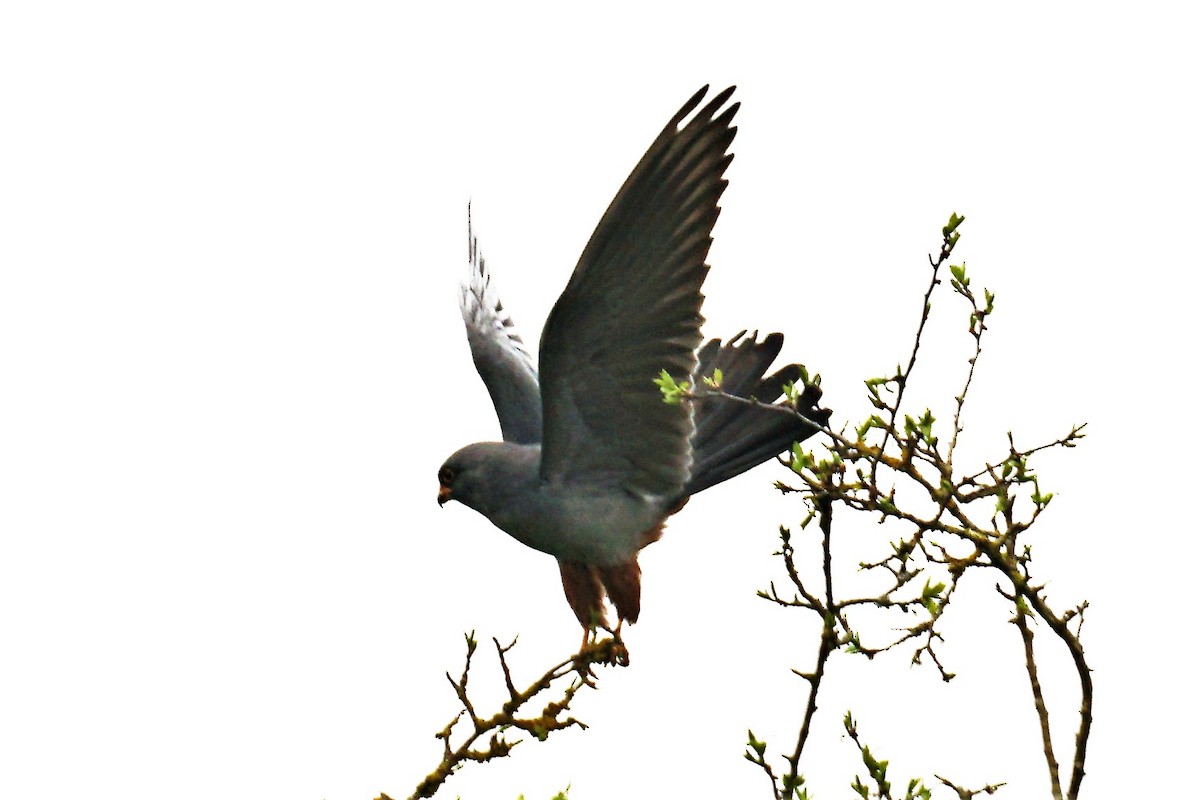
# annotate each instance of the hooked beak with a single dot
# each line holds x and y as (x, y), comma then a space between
(444, 495)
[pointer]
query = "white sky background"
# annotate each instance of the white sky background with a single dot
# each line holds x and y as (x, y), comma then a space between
(232, 361)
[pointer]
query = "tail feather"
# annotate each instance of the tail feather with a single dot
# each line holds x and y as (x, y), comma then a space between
(742, 362)
(732, 437)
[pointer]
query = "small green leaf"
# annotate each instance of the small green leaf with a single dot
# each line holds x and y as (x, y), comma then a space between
(931, 597)
(1001, 497)
(791, 783)
(672, 392)
(801, 459)
(1042, 500)
(791, 393)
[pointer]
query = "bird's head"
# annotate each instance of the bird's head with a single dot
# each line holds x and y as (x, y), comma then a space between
(465, 476)
(448, 477)
(481, 475)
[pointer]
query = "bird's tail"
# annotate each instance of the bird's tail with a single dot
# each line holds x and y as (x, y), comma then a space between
(731, 437)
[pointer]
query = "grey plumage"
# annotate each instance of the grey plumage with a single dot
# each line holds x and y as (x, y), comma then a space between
(593, 461)
(731, 438)
(631, 309)
(499, 354)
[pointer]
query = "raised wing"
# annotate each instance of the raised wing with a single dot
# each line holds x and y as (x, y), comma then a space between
(632, 309)
(499, 355)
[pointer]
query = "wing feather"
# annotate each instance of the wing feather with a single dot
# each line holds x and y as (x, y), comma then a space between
(632, 309)
(499, 354)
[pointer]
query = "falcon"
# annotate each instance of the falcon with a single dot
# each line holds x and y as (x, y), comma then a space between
(593, 461)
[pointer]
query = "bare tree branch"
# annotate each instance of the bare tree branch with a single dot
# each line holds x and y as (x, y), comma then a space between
(956, 526)
(568, 676)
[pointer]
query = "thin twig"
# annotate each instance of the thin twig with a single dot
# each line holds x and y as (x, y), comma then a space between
(1039, 701)
(828, 639)
(495, 726)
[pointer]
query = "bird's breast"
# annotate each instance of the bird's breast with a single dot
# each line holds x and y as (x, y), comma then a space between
(581, 524)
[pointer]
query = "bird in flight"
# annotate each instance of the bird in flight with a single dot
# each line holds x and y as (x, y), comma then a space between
(593, 461)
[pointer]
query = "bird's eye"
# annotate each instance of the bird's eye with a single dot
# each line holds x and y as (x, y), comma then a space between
(445, 476)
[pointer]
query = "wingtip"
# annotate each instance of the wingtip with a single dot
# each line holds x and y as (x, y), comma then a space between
(472, 244)
(688, 107)
(694, 102)
(474, 288)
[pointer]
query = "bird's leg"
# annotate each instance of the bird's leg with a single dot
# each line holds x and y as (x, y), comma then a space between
(587, 635)
(620, 655)
(615, 651)
(585, 594)
(592, 650)
(583, 664)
